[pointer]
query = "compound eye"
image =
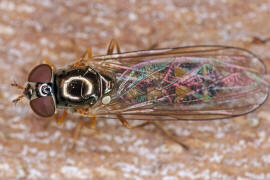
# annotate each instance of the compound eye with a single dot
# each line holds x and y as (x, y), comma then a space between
(43, 106)
(41, 73)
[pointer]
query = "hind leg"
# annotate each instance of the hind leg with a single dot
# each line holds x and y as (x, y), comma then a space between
(112, 45)
(157, 124)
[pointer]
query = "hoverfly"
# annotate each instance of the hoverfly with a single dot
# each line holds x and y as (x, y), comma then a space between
(184, 83)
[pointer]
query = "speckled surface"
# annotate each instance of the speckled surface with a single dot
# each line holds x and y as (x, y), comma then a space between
(31, 30)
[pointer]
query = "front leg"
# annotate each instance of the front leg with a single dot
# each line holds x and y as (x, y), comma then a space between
(62, 118)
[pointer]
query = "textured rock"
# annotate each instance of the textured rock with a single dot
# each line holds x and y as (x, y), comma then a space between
(31, 30)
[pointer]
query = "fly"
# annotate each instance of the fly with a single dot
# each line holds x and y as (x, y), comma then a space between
(185, 83)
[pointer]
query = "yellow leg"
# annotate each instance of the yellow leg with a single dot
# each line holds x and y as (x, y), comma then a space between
(153, 46)
(83, 112)
(78, 128)
(126, 124)
(112, 45)
(18, 98)
(59, 120)
(92, 123)
(81, 124)
(157, 124)
(169, 135)
(62, 119)
(77, 133)
(87, 56)
(84, 60)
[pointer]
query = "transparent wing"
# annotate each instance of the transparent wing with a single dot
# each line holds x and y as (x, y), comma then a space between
(188, 83)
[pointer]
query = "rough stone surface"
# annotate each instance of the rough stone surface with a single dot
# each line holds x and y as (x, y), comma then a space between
(31, 30)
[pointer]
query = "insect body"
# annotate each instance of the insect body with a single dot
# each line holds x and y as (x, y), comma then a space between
(186, 83)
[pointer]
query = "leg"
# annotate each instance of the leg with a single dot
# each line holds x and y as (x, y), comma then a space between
(62, 119)
(78, 128)
(157, 124)
(18, 87)
(87, 56)
(111, 47)
(18, 99)
(126, 124)
(84, 112)
(81, 124)
(14, 84)
(258, 40)
(92, 124)
(153, 46)
(77, 133)
(59, 120)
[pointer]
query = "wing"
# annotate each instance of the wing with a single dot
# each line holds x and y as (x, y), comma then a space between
(188, 83)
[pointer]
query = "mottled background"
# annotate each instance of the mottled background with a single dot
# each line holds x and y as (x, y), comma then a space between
(31, 30)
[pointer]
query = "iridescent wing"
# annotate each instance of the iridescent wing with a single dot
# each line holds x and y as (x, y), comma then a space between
(187, 83)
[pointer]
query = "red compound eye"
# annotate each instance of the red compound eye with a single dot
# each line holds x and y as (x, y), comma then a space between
(43, 106)
(41, 73)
